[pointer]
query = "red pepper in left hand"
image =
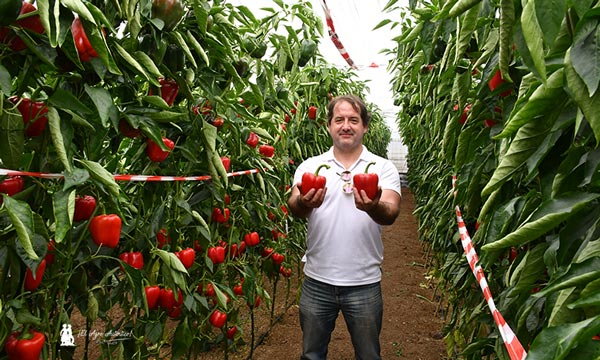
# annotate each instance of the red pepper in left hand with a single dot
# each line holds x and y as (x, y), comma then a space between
(266, 150)
(313, 181)
(26, 347)
(135, 259)
(84, 48)
(367, 182)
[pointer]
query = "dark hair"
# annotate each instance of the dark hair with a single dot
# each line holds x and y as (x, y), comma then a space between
(357, 103)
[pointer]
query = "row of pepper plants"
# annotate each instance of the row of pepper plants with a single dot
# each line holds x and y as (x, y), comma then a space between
(506, 92)
(92, 89)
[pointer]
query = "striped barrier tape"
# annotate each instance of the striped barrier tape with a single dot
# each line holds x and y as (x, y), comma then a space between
(148, 178)
(334, 37)
(512, 344)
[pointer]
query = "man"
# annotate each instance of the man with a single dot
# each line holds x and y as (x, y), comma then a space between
(344, 250)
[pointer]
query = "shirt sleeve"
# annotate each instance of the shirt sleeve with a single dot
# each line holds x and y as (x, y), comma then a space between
(390, 178)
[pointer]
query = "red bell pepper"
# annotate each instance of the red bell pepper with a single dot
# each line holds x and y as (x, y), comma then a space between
(33, 282)
(218, 318)
(226, 163)
(25, 347)
(167, 299)
(31, 23)
(187, 257)
(220, 216)
(162, 238)
(277, 258)
(168, 90)
(208, 290)
(252, 239)
(312, 112)
(235, 250)
(135, 259)
(286, 272)
(266, 150)
(106, 230)
(84, 48)
(313, 181)
(231, 332)
(152, 296)
(33, 113)
(154, 151)
(367, 182)
(216, 254)
(51, 252)
(126, 129)
(11, 185)
(84, 207)
(252, 139)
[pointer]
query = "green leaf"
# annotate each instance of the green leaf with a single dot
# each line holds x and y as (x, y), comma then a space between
(590, 106)
(197, 47)
(133, 63)
(507, 21)
(468, 24)
(21, 217)
(104, 103)
(578, 274)
(546, 99)
(79, 7)
(462, 6)
(63, 204)
(534, 38)
(182, 340)
(12, 139)
(63, 99)
(584, 53)
(557, 342)
(147, 63)
(99, 173)
(184, 46)
(548, 216)
(5, 80)
(57, 137)
(550, 15)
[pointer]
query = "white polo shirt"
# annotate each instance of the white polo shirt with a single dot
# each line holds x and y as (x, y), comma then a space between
(343, 245)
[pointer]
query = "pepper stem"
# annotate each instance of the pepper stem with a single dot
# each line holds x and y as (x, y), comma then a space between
(319, 168)
(367, 168)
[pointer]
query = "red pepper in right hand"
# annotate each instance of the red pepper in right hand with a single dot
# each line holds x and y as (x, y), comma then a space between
(367, 182)
(313, 181)
(25, 347)
(84, 48)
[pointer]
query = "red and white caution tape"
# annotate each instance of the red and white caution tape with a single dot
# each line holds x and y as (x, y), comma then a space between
(334, 37)
(149, 178)
(512, 344)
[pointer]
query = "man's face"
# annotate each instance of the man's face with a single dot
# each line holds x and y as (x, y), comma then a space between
(346, 127)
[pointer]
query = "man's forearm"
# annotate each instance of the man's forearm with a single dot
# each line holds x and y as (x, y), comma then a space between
(384, 213)
(297, 207)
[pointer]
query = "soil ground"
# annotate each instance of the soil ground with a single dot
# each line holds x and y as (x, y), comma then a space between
(412, 322)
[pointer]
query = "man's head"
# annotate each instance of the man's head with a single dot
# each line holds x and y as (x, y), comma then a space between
(356, 102)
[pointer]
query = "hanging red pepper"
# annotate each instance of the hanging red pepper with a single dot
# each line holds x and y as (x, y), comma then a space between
(31, 23)
(187, 257)
(33, 282)
(134, 259)
(313, 181)
(33, 113)
(84, 48)
(226, 163)
(25, 347)
(252, 139)
(367, 182)
(162, 238)
(51, 252)
(126, 129)
(152, 296)
(106, 230)
(11, 185)
(266, 150)
(220, 216)
(216, 254)
(84, 207)
(168, 90)
(252, 238)
(154, 151)
(218, 318)
(312, 112)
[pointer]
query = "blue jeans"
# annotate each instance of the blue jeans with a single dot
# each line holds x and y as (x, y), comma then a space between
(362, 307)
